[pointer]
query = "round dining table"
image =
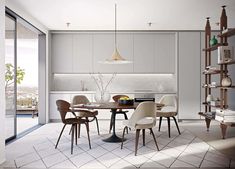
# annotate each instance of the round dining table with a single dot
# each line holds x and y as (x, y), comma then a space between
(113, 106)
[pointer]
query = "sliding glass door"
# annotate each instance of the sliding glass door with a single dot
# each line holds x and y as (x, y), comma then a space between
(10, 76)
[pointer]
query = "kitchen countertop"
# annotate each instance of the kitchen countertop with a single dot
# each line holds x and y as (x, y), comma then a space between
(112, 92)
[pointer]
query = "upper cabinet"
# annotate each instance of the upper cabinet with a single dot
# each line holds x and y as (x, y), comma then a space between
(154, 52)
(144, 52)
(165, 53)
(62, 53)
(103, 48)
(84, 52)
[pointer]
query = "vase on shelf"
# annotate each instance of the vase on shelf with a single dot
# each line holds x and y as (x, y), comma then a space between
(102, 96)
(213, 41)
(226, 81)
(209, 98)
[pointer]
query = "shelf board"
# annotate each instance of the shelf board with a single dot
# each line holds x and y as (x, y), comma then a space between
(212, 73)
(229, 33)
(212, 48)
(220, 87)
(204, 103)
(227, 63)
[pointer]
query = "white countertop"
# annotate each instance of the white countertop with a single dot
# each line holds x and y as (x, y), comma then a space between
(112, 92)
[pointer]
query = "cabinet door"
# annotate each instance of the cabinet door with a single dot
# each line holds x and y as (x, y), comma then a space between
(82, 53)
(189, 75)
(104, 47)
(144, 52)
(62, 53)
(54, 114)
(165, 53)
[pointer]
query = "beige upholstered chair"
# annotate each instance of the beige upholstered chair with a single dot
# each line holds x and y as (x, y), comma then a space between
(84, 113)
(119, 111)
(144, 117)
(170, 109)
(64, 107)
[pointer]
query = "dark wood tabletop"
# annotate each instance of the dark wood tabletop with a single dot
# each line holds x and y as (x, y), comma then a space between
(108, 105)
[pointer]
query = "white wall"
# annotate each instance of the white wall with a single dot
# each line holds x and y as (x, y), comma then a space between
(43, 106)
(2, 81)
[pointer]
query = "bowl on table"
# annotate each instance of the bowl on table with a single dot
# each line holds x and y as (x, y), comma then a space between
(126, 101)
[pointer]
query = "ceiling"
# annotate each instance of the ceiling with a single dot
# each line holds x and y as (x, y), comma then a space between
(131, 14)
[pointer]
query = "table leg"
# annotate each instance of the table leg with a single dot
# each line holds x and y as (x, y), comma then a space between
(113, 138)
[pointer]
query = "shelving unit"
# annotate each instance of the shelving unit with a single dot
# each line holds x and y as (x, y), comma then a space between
(222, 72)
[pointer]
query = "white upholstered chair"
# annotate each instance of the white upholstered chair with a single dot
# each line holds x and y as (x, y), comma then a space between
(144, 117)
(170, 109)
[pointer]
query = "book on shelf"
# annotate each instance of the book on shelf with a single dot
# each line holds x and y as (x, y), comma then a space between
(225, 118)
(226, 112)
(210, 114)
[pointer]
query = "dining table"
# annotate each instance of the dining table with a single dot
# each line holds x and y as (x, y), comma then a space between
(113, 106)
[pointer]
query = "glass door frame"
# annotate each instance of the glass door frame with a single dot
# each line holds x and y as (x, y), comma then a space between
(7, 14)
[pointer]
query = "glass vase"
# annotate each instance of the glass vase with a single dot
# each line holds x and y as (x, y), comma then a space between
(102, 96)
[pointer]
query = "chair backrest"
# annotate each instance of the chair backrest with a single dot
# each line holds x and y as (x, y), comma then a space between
(170, 100)
(80, 99)
(63, 107)
(117, 97)
(144, 109)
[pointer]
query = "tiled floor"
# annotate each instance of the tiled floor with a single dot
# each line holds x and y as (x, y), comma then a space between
(36, 150)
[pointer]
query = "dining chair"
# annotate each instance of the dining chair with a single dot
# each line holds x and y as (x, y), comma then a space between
(64, 107)
(170, 109)
(119, 111)
(144, 117)
(89, 115)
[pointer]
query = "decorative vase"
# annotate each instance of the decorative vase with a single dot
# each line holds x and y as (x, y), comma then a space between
(213, 41)
(209, 98)
(226, 81)
(102, 96)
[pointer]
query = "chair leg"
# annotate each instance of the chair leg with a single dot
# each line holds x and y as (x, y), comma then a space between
(70, 131)
(176, 125)
(97, 125)
(60, 136)
(151, 131)
(169, 126)
(137, 140)
(72, 138)
(125, 116)
(143, 132)
(79, 130)
(88, 136)
(160, 123)
(123, 133)
(76, 133)
(111, 123)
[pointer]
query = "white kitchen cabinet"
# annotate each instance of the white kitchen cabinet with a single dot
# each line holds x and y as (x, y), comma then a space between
(54, 113)
(189, 75)
(144, 52)
(165, 53)
(62, 53)
(82, 53)
(103, 48)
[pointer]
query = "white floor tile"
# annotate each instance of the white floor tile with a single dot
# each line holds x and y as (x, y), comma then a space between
(122, 164)
(163, 159)
(108, 159)
(122, 152)
(206, 164)
(65, 164)
(219, 159)
(190, 159)
(81, 159)
(171, 152)
(46, 152)
(97, 152)
(26, 159)
(36, 164)
(93, 164)
(136, 160)
(181, 164)
(151, 164)
(54, 159)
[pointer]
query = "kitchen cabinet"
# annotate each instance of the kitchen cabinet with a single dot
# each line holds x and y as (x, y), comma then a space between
(189, 75)
(144, 52)
(82, 53)
(165, 53)
(154, 52)
(103, 48)
(62, 53)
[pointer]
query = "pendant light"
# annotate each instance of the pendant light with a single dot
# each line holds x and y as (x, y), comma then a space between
(116, 57)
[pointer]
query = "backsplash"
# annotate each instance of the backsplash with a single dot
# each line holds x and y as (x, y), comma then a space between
(120, 83)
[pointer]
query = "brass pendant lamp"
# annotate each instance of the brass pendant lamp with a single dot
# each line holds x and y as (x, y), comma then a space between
(116, 57)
